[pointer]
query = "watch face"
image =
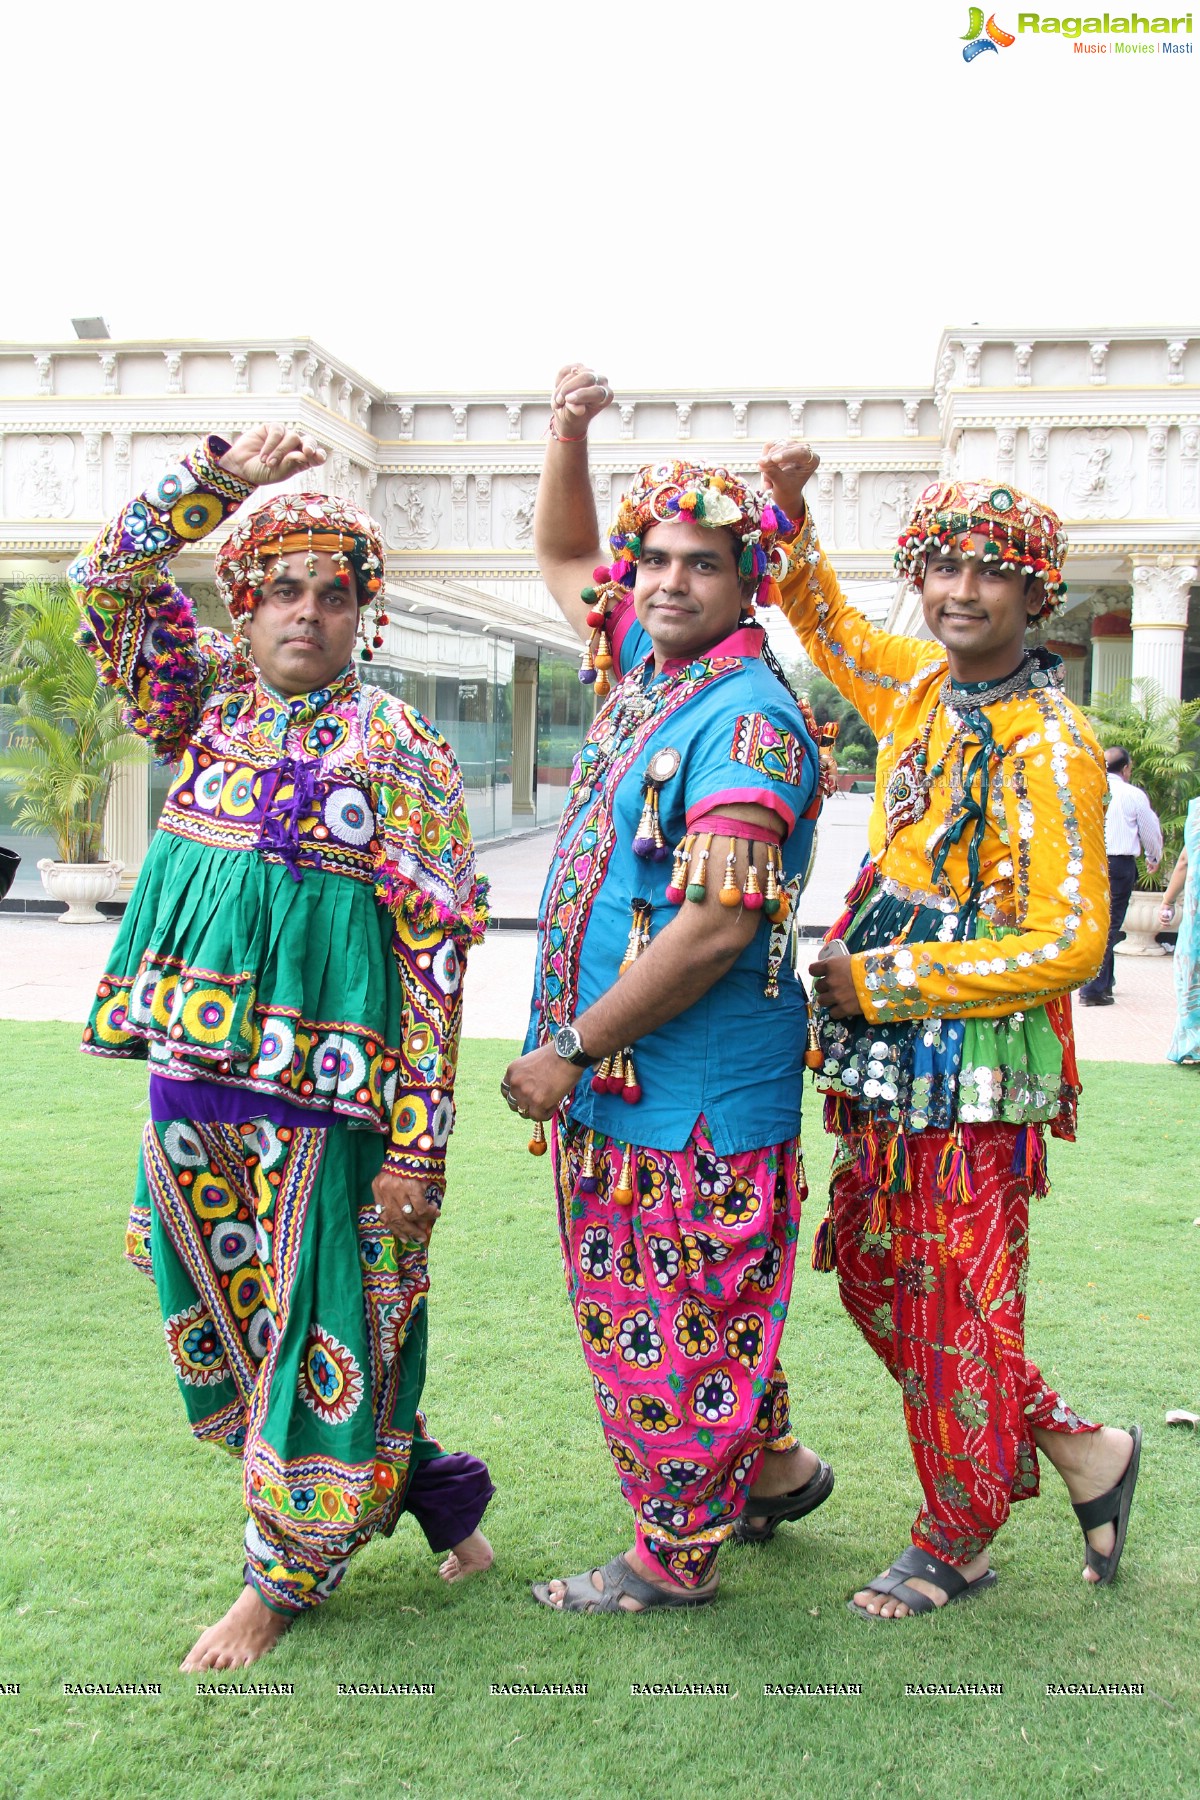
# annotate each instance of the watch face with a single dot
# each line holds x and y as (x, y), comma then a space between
(566, 1041)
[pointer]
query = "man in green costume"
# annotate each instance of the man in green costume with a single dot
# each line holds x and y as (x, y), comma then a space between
(291, 965)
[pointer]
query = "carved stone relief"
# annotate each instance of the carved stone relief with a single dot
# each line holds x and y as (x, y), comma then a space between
(459, 416)
(890, 505)
(458, 508)
(1006, 455)
(43, 367)
(602, 489)
(683, 419)
(796, 417)
(404, 421)
(483, 508)
(912, 418)
(854, 418)
(513, 415)
(1039, 453)
(46, 477)
(518, 512)
(1023, 360)
(345, 395)
(108, 369)
(308, 374)
(1097, 356)
(1099, 479)
(411, 512)
(972, 357)
(1156, 466)
(93, 474)
(627, 413)
(849, 534)
(174, 362)
(741, 412)
(1175, 354)
(285, 360)
(241, 371)
(1189, 470)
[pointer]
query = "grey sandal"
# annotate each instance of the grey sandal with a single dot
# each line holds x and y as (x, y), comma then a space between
(778, 1509)
(926, 1568)
(618, 1579)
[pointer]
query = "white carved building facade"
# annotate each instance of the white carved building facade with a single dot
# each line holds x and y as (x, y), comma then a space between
(1105, 426)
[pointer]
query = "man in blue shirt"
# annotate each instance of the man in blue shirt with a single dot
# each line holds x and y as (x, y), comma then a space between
(668, 1030)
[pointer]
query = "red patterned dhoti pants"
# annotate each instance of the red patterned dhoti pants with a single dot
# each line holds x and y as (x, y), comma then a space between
(939, 1294)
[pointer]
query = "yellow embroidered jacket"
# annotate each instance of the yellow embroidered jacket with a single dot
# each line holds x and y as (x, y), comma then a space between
(1042, 882)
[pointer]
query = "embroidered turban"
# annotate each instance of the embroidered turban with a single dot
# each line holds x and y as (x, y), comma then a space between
(1018, 530)
(661, 492)
(306, 522)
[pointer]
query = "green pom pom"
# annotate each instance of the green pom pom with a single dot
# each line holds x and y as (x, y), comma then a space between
(696, 891)
(771, 907)
(587, 595)
(746, 561)
(698, 509)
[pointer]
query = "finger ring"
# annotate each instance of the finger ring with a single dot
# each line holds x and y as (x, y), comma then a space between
(521, 1112)
(406, 1208)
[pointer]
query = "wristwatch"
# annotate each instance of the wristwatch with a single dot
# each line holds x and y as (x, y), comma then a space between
(567, 1044)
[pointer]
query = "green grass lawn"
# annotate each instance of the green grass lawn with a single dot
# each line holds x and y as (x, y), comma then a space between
(122, 1535)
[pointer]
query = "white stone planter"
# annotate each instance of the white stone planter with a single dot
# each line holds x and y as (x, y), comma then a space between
(82, 886)
(1141, 923)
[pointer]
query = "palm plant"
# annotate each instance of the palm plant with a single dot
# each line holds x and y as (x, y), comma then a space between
(66, 736)
(1163, 739)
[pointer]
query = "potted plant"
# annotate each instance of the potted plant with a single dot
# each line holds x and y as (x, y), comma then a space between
(66, 739)
(1163, 741)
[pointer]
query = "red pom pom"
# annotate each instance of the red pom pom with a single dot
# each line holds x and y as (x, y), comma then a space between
(595, 618)
(601, 573)
(674, 896)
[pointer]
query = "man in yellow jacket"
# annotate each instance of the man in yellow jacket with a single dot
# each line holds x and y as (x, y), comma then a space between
(944, 1015)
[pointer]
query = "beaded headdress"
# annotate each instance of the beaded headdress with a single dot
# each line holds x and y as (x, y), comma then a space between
(661, 493)
(1019, 530)
(306, 523)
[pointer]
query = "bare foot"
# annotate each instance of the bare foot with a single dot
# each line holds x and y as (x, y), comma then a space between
(780, 1472)
(248, 1630)
(471, 1557)
(1090, 1462)
(648, 1572)
(886, 1606)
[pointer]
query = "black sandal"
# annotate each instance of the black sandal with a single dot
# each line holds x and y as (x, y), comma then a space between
(1110, 1509)
(928, 1568)
(777, 1509)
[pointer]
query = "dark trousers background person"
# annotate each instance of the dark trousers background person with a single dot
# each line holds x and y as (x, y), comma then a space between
(1122, 875)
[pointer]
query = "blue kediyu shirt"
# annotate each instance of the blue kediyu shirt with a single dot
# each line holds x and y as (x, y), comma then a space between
(735, 1057)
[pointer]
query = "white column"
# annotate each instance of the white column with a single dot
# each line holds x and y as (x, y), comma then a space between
(1073, 658)
(1112, 653)
(1160, 610)
(127, 822)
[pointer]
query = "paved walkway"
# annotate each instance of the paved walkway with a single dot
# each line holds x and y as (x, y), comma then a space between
(49, 970)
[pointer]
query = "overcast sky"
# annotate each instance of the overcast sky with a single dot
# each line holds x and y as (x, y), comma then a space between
(688, 194)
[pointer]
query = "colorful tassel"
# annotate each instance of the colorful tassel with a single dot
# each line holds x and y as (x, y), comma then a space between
(953, 1173)
(838, 1115)
(588, 1180)
(824, 1250)
(631, 1089)
(897, 1165)
(537, 1143)
(731, 893)
(877, 1218)
(622, 1194)
(752, 898)
(600, 1077)
(697, 887)
(676, 890)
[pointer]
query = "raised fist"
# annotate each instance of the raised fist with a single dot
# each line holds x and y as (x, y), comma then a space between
(268, 453)
(785, 469)
(579, 394)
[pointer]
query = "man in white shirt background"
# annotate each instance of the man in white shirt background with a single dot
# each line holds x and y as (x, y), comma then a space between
(1131, 829)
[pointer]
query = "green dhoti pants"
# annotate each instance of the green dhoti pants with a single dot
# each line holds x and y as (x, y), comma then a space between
(297, 1329)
